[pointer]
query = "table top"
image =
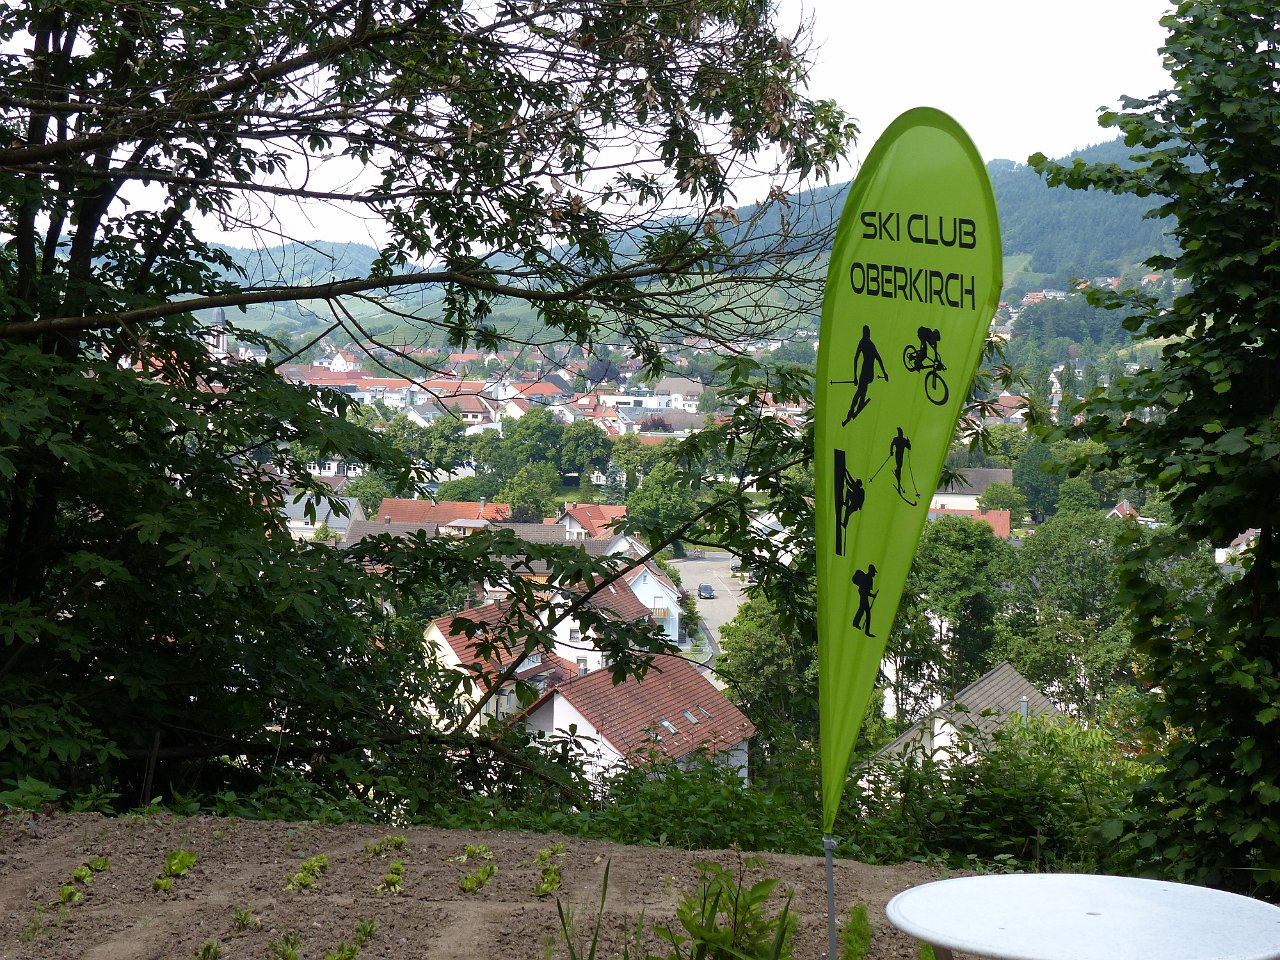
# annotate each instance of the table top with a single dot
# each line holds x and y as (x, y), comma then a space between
(1064, 916)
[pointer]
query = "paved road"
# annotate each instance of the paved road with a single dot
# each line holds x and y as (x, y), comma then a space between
(715, 613)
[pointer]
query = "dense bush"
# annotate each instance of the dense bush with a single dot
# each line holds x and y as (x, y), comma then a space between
(1036, 796)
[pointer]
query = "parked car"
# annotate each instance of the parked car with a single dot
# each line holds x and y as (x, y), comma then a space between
(705, 592)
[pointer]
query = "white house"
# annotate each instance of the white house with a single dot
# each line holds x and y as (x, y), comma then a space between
(985, 705)
(965, 495)
(656, 591)
(455, 650)
(302, 527)
(674, 713)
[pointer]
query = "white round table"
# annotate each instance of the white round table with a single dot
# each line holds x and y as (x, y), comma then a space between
(1064, 916)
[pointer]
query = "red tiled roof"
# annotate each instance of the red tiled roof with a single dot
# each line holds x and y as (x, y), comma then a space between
(998, 520)
(630, 714)
(1009, 402)
(619, 600)
(595, 518)
(540, 389)
(467, 402)
(444, 387)
(493, 618)
(439, 512)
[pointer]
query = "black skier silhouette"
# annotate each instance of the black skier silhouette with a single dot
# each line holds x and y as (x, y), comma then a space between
(850, 496)
(864, 580)
(900, 454)
(926, 359)
(898, 448)
(865, 360)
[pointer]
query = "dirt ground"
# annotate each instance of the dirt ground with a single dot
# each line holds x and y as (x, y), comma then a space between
(246, 865)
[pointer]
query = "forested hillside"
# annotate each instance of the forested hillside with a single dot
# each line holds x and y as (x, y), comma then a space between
(1074, 232)
(1050, 234)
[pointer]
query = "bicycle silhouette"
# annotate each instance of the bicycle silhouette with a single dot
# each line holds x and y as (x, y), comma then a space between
(918, 359)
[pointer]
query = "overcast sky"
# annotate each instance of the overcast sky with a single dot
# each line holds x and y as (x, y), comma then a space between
(1019, 75)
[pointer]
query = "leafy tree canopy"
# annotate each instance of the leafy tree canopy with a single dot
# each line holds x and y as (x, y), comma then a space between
(1200, 428)
(1005, 496)
(155, 616)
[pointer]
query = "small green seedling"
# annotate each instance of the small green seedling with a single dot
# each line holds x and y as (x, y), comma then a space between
(68, 894)
(366, 927)
(41, 922)
(34, 927)
(474, 882)
(308, 873)
(477, 851)
(285, 946)
(379, 848)
(243, 919)
(179, 863)
(925, 951)
(393, 882)
(176, 864)
(209, 950)
(548, 881)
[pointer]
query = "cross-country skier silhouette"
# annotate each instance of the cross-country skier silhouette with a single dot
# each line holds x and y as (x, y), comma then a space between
(898, 448)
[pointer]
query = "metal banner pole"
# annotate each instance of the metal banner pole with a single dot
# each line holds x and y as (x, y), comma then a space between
(829, 845)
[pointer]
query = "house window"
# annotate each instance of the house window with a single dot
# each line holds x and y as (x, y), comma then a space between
(667, 725)
(702, 710)
(533, 659)
(574, 635)
(689, 716)
(582, 666)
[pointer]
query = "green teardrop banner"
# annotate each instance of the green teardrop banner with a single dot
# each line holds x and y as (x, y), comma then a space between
(914, 279)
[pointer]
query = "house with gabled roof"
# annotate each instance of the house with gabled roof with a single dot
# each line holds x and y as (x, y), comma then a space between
(358, 530)
(306, 517)
(1124, 510)
(964, 492)
(575, 648)
(457, 640)
(657, 591)
(590, 521)
(983, 706)
(673, 713)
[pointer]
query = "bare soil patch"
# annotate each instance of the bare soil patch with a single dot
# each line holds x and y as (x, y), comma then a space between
(245, 866)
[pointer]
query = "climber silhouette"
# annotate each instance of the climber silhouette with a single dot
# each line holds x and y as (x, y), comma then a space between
(850, 496)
